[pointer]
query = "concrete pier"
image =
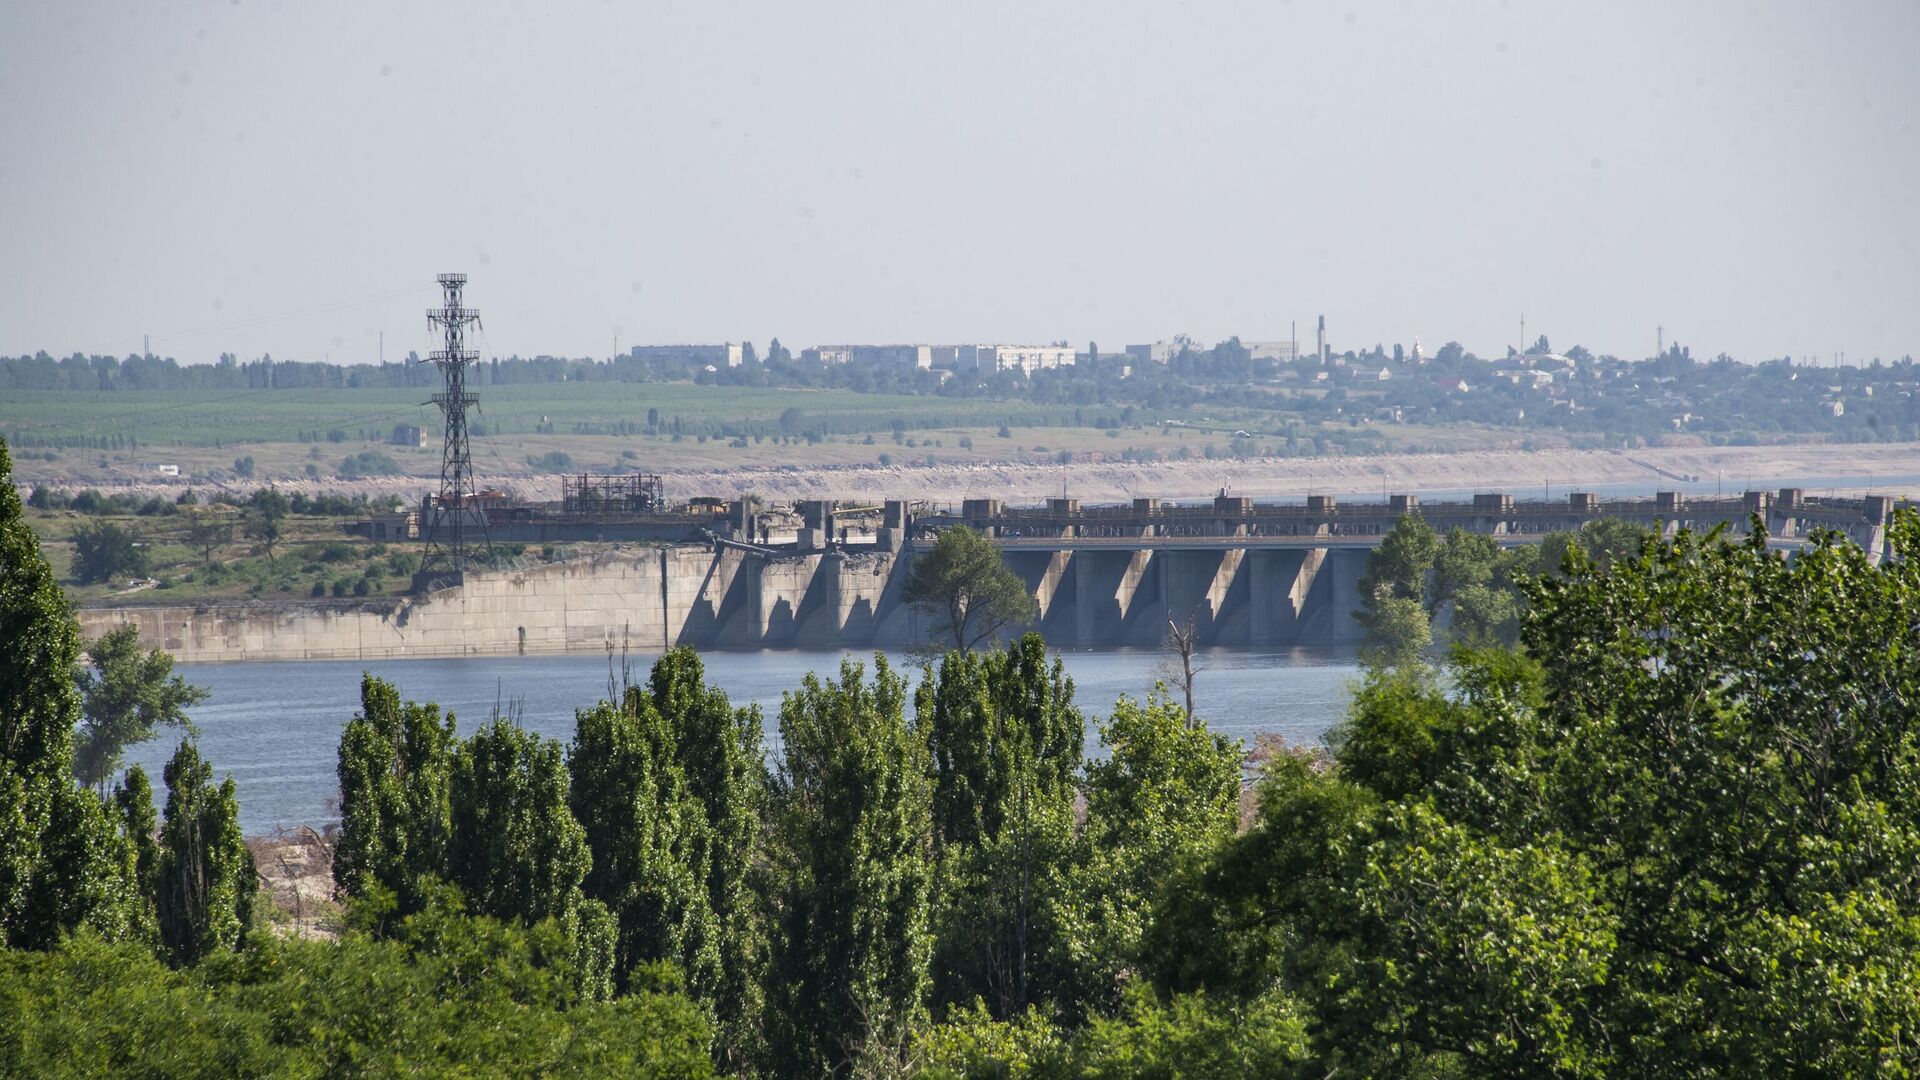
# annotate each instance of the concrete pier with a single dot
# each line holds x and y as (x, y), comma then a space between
(1247, 575)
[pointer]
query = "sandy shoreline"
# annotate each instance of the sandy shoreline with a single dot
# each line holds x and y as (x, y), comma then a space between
(1888, 468)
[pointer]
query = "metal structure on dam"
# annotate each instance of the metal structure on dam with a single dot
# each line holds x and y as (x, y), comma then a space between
(720, 575)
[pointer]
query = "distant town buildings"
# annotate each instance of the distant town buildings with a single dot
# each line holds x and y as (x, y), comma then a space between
(408, 435)
(729, 354)
(1026, 359)
(894, 356)
(1159, 352)
(1282, 351)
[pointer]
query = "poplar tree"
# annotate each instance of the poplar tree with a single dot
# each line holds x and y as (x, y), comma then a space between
(1005, 742)
(205, 882)
(718, 748)
(62, 862)
(139, 826)
(649, 842)
(515, 849)
(396, 764)
(852, 816)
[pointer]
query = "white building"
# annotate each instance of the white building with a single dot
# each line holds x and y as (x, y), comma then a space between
(729, 354)
(1026, 359)
(899, 356)
(1161, 352)
(1282, 351)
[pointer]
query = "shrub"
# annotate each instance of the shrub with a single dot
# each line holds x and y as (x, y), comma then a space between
(104, 551)
(368, 463)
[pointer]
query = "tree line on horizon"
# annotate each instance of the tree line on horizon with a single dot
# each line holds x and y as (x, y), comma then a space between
(1607, 401)
(1670, 831)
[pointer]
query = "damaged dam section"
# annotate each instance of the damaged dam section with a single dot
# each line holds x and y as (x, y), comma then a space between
(1246, 575)
(721, 597)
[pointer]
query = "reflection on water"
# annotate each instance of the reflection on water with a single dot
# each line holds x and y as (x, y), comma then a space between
(275, 727)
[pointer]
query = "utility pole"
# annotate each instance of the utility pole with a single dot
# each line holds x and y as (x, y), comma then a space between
(1660, 341)
(453, 527)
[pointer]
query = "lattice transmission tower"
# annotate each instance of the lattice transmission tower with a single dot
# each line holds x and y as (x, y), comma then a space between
(453, 524)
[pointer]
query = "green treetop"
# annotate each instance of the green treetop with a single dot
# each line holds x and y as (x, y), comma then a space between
(126, 694)
(853, 868)
(204, 880)
(63, 863)
(964, 587)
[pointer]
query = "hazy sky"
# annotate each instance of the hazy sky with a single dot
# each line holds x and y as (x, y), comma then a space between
(289, 176)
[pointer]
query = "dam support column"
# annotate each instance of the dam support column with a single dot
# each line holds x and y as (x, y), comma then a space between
(1098, 613)
(1200, 585)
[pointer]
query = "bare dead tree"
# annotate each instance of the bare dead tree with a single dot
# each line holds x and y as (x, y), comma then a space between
(1182, 641)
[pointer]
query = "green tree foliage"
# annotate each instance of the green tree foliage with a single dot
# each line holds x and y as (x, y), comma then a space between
(649, 841)
(1402, 561)
(1167, 795)
(1399, 631)
(208, 530)
(1396, 620)
(1462, 560)
(204, 878)
(103, 551)
(396, 818)
(443, 995)
(719, 749)
(852, 820)
(133, 802)
(515, 850)
(1675, 837)
(1186, 1036)
(62, 861)
(994, 722)
(266, 517)
(1603, 541)
(126, 694)
(965, 588)
(1005, 742)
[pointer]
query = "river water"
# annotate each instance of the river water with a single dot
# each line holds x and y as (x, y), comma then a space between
(275, 727)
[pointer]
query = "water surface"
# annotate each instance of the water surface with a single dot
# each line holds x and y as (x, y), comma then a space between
(275, 727)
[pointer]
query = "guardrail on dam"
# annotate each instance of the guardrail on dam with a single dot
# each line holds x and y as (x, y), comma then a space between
(1250, 575)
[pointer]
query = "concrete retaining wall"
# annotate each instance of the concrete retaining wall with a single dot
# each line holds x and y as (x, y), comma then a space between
(730, 598)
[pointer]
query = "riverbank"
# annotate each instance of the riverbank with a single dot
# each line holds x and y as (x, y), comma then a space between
(1846, 468)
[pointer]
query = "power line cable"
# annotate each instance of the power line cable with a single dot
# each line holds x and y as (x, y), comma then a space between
(261, 320)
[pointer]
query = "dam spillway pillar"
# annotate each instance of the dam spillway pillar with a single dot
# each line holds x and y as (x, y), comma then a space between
(1788, 504)
(1671, 506)
(1049, 579)
(1493, 513)
(1289, 599)
(1230, 514)
(816, 524)
(979, 514)
(1876, 512)
(1065, 513)
(1107, 593)
(894, 524)
(1147, 512)
(1203, 585)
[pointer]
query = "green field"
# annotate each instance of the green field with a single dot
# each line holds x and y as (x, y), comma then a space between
(178, 418)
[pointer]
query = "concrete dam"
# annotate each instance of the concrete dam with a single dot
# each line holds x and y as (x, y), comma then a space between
(1256, 576)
